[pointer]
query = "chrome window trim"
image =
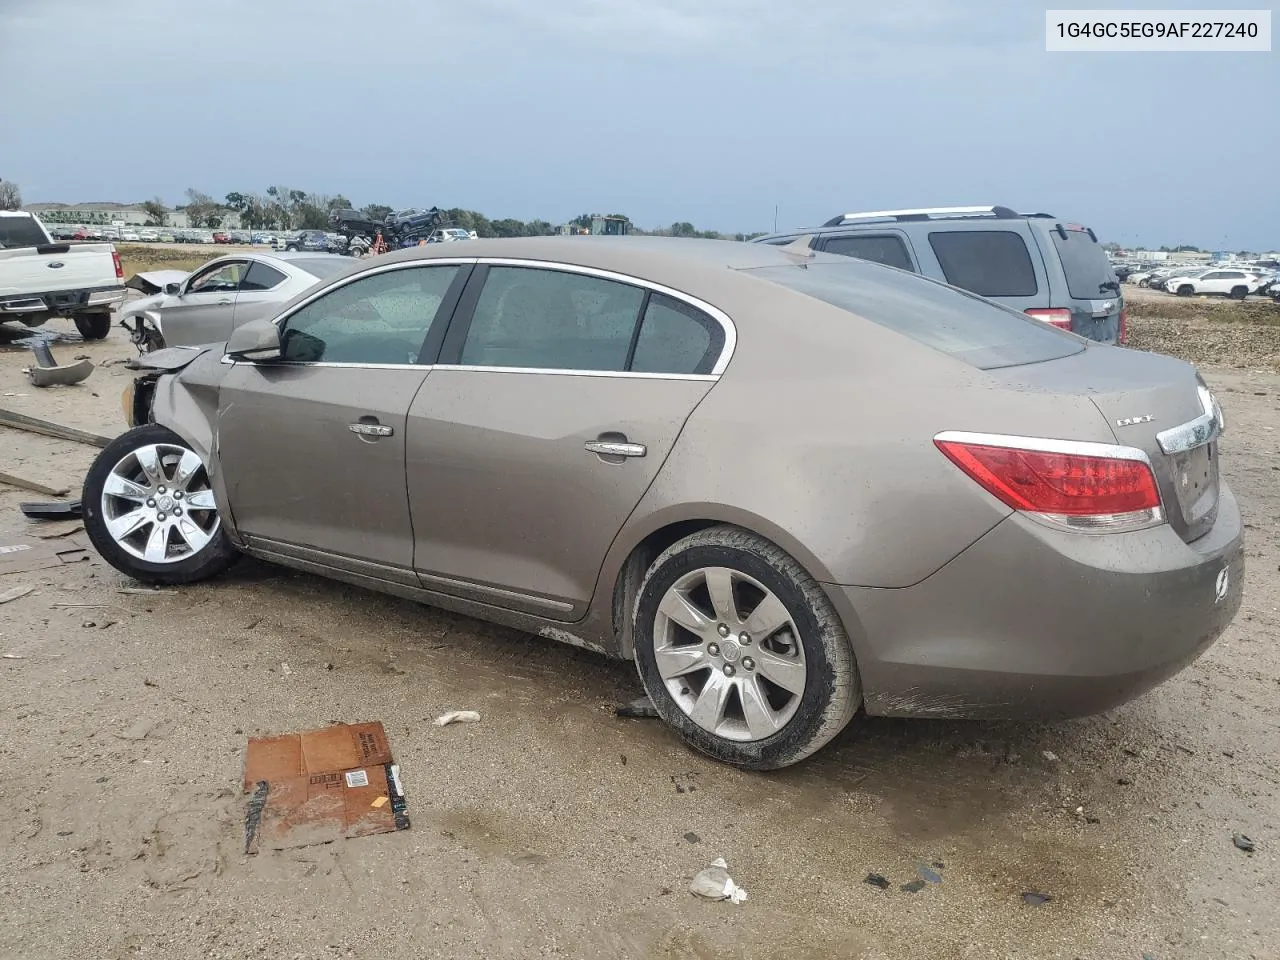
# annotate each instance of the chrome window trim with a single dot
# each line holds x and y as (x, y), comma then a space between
(722, 318)
(276, 364)
(553, 371)
(1205, 428)
(1083, 448)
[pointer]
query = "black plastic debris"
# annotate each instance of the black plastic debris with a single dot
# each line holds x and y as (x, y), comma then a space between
(1243, 843)
(1036, 899)
(52, 510)
(692, 837)
(876, 880)
(928, 873)
(914, 886)
(640, 707)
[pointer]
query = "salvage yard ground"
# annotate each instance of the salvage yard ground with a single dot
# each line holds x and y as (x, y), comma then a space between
(551, 828)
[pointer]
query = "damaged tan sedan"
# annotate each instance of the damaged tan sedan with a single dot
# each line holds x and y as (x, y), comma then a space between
(787, 484)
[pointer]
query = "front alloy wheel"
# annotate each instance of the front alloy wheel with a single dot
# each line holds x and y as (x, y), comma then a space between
(150, 511)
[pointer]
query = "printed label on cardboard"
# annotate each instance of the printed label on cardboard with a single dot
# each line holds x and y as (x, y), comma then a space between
(357, 778)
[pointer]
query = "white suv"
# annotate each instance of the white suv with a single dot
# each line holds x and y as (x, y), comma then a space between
(1236, 284)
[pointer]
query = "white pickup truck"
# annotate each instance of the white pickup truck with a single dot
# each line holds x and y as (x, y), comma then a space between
(42, 278)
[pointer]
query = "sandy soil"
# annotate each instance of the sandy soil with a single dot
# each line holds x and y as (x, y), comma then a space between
(552, 828)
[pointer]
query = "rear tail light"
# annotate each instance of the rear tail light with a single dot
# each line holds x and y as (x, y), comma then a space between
(1123, 336)
(115, 260)
(1058, 317)
(1067, 484)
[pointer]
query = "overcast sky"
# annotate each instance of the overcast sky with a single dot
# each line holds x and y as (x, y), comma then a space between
(710, 111)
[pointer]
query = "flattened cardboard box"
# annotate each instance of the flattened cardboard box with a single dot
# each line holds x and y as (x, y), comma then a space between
(24, 553)
(320, 786)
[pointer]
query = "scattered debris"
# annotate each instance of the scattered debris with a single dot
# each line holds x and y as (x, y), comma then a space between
(1050, 756)
(1243, 843)
(15, 593)
(1036, 899)
(284, 668)
(26, 554)
(56, 510)
(22, 483)
(714, 883)
(456, 716)
(930, 874)
(876, 880)
(692, 837)
(20, 421)
(639, 708)
(914, 886)
(138, 591)
(1124, 781)
(12, 656)
(47, 372)
(321, 785)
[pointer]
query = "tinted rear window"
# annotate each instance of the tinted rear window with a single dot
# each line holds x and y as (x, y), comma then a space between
(991, 263)
(323, 267)
(1085, 264)
(882, 249)
(983, 334)
(20, 232)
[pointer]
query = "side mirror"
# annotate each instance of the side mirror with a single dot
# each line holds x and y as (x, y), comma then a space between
(256, 341)
(173, 289)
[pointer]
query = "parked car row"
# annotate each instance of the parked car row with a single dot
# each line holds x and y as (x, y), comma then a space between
(1223, 279)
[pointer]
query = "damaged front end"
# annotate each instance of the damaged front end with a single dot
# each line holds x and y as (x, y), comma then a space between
(141, 319)
(139, 396)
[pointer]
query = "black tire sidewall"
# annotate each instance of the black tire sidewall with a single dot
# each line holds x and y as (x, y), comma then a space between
(781, 748)
(93, 326)
(215, 556)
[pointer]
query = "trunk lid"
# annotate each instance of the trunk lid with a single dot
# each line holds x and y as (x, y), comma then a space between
(1152, 402)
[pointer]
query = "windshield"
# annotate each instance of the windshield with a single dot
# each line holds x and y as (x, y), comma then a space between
(20, 232)
(323, 267)
(969, 328)
(1089, 273)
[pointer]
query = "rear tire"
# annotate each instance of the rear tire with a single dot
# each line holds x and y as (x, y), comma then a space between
(93, 326)
(1144, 283)
(1238, 293)
(719, 687)
(149, 510)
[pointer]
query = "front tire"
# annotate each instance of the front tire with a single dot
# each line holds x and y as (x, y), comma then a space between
(1238, 293)
(149, 509)
(742, 652)
(1186, 290)
(93, 326)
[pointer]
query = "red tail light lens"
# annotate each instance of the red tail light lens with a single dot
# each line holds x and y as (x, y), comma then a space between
(1123, 336)
(1068, 484)
(1058, 317)
(115, 259)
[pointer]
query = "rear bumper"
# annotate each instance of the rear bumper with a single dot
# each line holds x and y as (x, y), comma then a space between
(1033, 622)
(63, 301)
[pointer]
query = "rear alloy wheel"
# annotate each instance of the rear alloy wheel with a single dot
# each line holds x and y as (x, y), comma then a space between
(93, 326)
(1186, 290)
(1144, 283)
(1238, 293)
(741, 651)
(149, 509)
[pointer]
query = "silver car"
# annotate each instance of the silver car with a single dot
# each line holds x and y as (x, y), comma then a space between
(223, 294)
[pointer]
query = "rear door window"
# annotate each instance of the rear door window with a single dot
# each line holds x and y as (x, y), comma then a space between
(676, 338)
(20, 232)
(886, 249)
(979, 332)
(990, 263)
(1088, 271)
(261, 277)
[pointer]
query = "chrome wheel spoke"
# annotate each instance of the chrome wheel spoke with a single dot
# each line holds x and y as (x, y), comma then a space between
(767, 618)
(128, 523)
(126, 489)
(720, 589)
(188, 466)
(201, 500)
(679, 608)
(157, 544)
(708, 710)
(761, 719)
(192, 535)
(786, 672)
(149, 460)
(677, 661)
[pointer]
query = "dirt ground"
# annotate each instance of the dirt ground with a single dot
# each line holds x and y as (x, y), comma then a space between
(551, 828)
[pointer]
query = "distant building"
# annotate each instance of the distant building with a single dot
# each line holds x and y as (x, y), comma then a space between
(126, 214)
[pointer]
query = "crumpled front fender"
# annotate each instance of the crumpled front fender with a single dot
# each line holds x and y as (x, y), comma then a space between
(169, 360)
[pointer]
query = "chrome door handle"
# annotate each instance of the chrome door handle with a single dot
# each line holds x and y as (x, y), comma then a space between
(616, 448)
(371, 429)
(224, 303)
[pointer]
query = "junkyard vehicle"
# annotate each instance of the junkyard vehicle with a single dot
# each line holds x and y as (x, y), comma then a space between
(224, 293)
(1034, 262)
(312, 241)
(41, 279)
(1235, 284)
(786, 483)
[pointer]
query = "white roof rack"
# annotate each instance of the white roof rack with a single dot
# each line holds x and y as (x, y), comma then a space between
(926, 212)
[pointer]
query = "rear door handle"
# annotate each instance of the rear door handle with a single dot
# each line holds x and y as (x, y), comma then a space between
(371, 429)
(224, 303)
(616, 448)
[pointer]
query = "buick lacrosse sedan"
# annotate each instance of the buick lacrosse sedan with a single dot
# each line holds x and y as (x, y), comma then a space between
(787, 485)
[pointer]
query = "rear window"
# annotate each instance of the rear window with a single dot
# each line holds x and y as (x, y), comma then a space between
(20, 232)
(978, 332)
(991, 263)
(1086, 265)
(883, 249)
